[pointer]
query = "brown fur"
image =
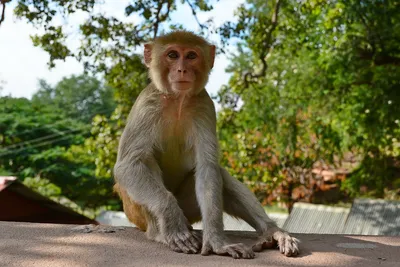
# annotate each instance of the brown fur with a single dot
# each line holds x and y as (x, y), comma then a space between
(134, 211)
(182, 37)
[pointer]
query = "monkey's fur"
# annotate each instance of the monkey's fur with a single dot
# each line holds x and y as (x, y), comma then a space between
(167, 172)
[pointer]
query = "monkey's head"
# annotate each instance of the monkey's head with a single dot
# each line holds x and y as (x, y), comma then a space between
(179, 62)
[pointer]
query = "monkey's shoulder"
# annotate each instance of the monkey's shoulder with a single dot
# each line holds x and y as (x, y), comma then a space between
(149, 96)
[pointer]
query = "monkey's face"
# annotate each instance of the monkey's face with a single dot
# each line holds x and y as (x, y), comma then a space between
(180, 65)
(185, 67)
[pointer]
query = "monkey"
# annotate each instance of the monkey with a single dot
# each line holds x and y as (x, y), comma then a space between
(167, 171)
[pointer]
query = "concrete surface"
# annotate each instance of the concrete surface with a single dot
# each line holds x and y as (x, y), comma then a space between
(42, 245)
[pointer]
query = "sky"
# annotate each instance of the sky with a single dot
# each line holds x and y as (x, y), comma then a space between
(22, 64)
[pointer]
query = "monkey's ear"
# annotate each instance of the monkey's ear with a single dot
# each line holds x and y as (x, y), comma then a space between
(212, 56)
(147, 53)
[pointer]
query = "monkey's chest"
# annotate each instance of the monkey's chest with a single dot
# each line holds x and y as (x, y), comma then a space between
(176, 155)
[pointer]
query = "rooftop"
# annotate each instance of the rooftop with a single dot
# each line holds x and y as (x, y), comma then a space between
(34, 244)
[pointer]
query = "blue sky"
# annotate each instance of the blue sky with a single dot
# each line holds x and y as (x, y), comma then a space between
(22, 64)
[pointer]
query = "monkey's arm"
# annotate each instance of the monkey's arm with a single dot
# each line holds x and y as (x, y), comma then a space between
(138, 172)
(209, 187)
(140, 176)
(136, 169)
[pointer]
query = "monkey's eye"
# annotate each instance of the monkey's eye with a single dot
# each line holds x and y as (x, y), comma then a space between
(191, 55)
(173, 54)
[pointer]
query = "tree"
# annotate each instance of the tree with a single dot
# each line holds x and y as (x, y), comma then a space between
(42, 147)
(79, 97)
(108, 48)
(313, 82)
(105, 40)
(327, 87)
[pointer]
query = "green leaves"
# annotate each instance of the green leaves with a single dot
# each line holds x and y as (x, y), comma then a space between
(43, 141)
(326, 92)
(105, 40)
(313, 84)
(53, 43)
(80, 97)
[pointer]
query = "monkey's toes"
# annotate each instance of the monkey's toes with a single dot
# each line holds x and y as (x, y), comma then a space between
(289, 246)
(237, 251)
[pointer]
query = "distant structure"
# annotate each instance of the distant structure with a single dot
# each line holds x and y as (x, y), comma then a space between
(373, 217)
(113, 218)
(311, 218)
(365, 217)
(118, 218)
(21, 204)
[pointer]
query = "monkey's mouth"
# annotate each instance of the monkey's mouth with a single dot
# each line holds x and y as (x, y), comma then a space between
(182, 85)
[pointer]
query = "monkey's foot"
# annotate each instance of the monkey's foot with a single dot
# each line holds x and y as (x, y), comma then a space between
(289, 246)
(187, 242)
(237, 251)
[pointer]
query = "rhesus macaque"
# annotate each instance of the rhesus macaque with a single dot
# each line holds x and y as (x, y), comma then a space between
(167, 171)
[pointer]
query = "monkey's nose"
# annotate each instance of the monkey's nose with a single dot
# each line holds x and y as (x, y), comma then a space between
(184, 71)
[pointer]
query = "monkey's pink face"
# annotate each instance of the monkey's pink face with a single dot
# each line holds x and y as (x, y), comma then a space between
(184, 65)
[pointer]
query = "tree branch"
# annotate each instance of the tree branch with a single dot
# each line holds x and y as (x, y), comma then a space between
(267, 45)
(3, 12)
(202, 26)
(249, 77)
(158, 19)
(161, 18)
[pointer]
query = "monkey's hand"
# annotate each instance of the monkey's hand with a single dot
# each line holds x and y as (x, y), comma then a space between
(220, 246)
(273, 237)
(181, 237)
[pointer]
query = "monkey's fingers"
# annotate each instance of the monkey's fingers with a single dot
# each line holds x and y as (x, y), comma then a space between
(228, 251)
(237, 251)
(182, 246)
(174, 247)
(264, 243)
(195, 243)
(186, 243)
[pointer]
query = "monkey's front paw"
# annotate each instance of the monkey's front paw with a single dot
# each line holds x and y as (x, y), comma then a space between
(237, 251)
(187, 242)
(289, 246)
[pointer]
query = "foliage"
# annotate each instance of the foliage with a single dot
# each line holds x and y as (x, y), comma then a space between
(80, 97)
(104, 39)
(41, 147)
(108, 47)
(331, 88)
(314, 85)
(129, 78)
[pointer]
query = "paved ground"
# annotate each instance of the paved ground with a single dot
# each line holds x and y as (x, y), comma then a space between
(42, 245)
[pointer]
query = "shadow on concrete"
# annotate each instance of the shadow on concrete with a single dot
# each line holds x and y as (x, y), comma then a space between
(24, 244)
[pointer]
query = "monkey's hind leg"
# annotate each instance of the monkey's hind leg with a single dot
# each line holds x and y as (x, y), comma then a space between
(138, 215)
(135, 212)
(240, 202)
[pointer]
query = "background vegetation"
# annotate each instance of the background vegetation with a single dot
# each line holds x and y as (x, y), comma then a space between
(315, 86)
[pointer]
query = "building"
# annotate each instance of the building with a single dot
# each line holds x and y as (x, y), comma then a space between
(22, 204)
(365, 217)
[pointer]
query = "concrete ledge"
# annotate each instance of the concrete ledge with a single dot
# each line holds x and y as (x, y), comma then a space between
(29, 244)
